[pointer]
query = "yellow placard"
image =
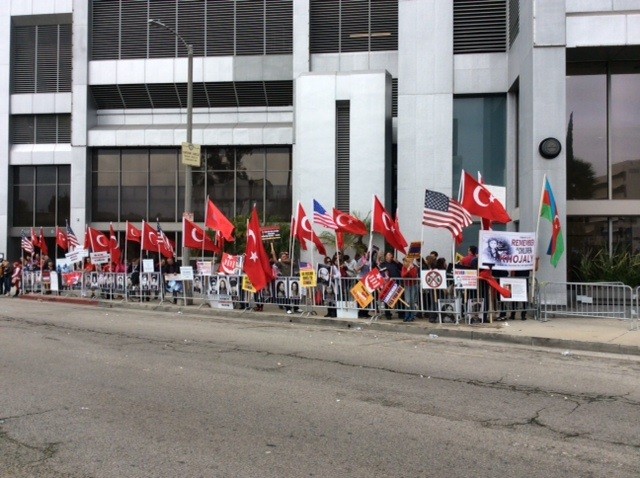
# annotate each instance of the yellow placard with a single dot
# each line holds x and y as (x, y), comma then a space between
(191, 154)
(247, 285)
(361, 295)
(308, 278)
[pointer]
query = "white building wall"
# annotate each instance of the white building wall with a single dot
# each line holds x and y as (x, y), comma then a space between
(425, 111)
(314, 154)
(5, 60)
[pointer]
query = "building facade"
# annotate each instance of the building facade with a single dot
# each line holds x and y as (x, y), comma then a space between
(296, 100)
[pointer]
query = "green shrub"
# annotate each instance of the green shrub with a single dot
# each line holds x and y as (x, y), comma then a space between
(600, 266)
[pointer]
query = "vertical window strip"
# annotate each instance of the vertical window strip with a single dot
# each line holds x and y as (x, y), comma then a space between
(342, 179)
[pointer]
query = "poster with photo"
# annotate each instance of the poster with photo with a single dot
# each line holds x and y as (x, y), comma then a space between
(518, 288)
(281, 289)
(212, 285)
(509, 251)
(475, 311)
(234, 286)
(465, 278)
(324, 274)
(294, 289)
(91, 280)
(449, 310)
(223, 285)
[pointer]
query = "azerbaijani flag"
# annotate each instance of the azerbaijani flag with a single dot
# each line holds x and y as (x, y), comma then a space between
(549, 211)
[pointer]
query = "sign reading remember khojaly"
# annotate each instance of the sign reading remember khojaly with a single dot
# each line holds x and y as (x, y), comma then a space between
(191, 154)
(507, 251)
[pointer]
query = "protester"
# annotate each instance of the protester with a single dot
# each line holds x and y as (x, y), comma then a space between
(391, 269)
(409, 273)
(16, 277)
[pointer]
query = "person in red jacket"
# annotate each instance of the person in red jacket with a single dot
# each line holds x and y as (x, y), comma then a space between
(409, 273)
(16, 277)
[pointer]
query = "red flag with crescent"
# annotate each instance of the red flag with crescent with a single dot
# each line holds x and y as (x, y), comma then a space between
(34, 238)
(61, 238)
(478, 200)
(256, 255)
(196, 238)
(149, 240)
(385, 225)
(349, 224)
(133, 233)
(114, 246)
(97, 240)
(304, 232)
(43, 244)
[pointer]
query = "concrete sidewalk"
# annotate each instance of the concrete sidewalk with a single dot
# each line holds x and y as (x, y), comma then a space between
(567, 333)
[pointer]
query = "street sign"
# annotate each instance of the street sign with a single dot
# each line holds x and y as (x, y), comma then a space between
(191, 154)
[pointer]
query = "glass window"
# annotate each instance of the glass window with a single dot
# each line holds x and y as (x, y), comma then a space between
(587, 133)
(626, 234)
(106, 185)
(45, 205)
(152, 180)
(162, 184)
(479, 138)
(38, 198)
(625, 140)
(64, 203)
(23, 205)
(134, 184)
(585, 235)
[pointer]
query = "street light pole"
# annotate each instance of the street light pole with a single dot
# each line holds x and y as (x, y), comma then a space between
(188, 178)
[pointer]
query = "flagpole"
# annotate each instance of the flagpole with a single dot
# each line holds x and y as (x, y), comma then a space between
(204, 231)
(126, 241)
(292, 256)
(533, 273)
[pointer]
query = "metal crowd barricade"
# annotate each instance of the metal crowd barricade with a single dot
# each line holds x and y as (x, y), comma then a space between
(442, 305)
(636, 310)
(587, 299)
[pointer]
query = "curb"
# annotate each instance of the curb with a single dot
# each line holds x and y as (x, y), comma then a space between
(313, 319)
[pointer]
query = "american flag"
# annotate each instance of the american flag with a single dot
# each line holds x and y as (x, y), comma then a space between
(321, 217)
(72, 239)
(163, 240)
(442, 211)
(26, 243)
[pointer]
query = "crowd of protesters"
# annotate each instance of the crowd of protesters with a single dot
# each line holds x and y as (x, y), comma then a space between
(335, 276)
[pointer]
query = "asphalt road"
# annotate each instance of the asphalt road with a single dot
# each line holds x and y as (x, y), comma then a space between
(91, 392)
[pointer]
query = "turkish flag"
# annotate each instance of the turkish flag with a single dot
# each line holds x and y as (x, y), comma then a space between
(304, 232)
(256, 255)
(385, 225)
(478, 200)
(297, 234)
(486, 275)
(98, 241)
(349, 224)
(400, 236)
(214, 219)
(149, 240)
(195, 237)
(34, 238)
(61, 238)
(114, 246)
(43, 244)
(133, 233)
